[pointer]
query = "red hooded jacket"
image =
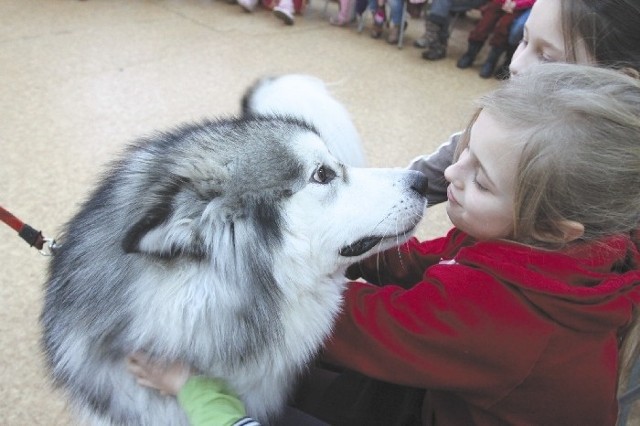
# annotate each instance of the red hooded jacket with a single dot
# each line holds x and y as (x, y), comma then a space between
(498, 332)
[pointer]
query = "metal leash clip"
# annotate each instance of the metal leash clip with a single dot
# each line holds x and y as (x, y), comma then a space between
(49, 247)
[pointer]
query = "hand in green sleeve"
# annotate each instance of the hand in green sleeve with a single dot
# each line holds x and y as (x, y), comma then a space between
(208, 402)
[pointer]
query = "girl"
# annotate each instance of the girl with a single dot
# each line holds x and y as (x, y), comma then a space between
(516, 316)
(593, 32)
(497, 18)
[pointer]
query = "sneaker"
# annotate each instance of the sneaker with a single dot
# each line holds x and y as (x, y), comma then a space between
(338, 21)
(248, 5)
(284, 14)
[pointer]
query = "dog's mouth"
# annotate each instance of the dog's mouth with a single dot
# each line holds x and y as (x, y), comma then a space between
(359, 247)
(365, 244)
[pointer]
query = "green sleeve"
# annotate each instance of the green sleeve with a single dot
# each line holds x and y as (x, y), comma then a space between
(208, 402)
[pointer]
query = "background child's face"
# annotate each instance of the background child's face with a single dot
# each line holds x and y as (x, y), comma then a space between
(481, 190)
(543, 39)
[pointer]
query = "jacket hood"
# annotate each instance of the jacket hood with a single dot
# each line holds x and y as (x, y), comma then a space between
(590, 287)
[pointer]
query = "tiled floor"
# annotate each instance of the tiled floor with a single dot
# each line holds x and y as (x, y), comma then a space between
(78, 79)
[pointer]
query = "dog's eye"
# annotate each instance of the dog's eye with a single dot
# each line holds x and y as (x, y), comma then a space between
(323, 175)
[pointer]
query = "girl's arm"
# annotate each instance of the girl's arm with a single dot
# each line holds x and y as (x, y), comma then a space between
(457, 329)
(405, 265)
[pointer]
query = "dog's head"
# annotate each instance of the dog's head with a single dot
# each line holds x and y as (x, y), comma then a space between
(233, 188)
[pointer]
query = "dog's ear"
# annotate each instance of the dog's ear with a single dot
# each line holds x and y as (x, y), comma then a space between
(161, 234)
(160, 237)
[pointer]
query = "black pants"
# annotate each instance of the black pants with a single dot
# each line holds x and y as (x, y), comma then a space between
(341, 398)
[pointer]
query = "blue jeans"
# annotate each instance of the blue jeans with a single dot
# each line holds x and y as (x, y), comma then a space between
(440, 13)
(441, 9)
(517, 28)
(395, 10)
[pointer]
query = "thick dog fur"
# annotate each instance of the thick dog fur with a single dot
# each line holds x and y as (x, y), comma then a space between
(223, 244)
(308, 98)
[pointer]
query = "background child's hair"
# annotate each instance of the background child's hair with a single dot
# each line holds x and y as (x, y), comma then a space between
(580, 130)
(608, 29)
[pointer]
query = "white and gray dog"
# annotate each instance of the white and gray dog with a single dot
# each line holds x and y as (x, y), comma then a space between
(223, 244)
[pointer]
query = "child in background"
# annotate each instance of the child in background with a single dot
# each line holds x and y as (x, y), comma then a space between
(282, 9)
(516, 316)
(497, 17)
(345, 13)
(379, 11)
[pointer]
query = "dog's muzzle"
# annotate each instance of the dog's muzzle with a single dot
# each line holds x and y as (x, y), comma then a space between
(360, 247)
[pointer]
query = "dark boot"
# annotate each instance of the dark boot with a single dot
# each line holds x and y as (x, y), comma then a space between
(492, 60)
(470, 55)
(503, 73)
(437, 50)
(431, 34)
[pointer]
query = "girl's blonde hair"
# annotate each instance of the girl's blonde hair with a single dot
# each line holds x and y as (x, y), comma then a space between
(579, 127)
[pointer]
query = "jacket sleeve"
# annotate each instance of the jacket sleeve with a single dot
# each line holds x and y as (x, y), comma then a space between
(456, 330)
(433, 166)
(207, 402)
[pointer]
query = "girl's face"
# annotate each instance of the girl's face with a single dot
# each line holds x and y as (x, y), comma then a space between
(543, 39)
(481, 189)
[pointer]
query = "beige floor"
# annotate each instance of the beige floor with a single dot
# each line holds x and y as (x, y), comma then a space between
(78, 79)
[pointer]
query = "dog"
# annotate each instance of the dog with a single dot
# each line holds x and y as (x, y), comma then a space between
(223, 244)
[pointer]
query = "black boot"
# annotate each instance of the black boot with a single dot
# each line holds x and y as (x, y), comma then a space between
(437, 50)
(503, 73)
(467, 59)
(492, 60)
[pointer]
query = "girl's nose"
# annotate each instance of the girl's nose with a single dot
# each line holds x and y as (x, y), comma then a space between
(519, 60)
(452, 173)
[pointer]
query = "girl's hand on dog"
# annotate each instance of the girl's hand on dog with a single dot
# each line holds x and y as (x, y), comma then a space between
(167, 378)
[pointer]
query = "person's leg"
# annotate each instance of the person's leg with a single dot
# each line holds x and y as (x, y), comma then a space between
(248, 5)
(437, 22)
(515, 36)
(348, 398)
(284, 10)
(344, 14)
(517, 27)
(499, 43)
(378, 9)
(361, 7)
(396, 8)
(491, 13)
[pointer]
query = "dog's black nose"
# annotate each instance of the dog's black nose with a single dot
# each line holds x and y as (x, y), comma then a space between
(419, 183)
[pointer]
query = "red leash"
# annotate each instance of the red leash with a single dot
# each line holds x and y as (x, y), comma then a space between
(32, 236)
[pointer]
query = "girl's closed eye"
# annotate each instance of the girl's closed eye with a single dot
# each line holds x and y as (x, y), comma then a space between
(479, 185)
